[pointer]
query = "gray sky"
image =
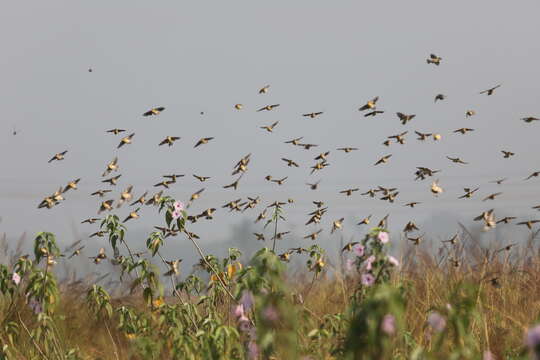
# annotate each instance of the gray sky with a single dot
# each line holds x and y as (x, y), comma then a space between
(316, 55)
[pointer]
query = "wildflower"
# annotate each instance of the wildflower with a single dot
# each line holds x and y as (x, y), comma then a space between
(436, 321)
(367, 279)
(158, 302)
(392, 260)
(178, 206)
(176, 214)
(488, 355)
(270, 313)
(16, 278)
(239, 310)
(253, 350)
(35, 306)
(244, 325)
(383, 237)
(388, 324)
(359, 250)
(247, 300)
(369, 262)
(532, 339)
(131, 336)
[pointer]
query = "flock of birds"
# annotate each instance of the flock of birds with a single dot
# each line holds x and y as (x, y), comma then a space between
(127, 197)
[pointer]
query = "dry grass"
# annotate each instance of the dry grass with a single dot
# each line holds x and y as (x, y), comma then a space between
(508, 300)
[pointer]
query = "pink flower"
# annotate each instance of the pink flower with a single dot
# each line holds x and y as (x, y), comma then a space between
(369, 262)
(16, 278)
(436, 321)
(176, 214)
(383, 237)
(178, 206)
(532, 338)
(367, 279)
(392, 260)
(359, 250)
(488, 355)
(388, 324)
(239, 311)
(270, 314)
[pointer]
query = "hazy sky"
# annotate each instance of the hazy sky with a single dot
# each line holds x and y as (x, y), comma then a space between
(329, 56)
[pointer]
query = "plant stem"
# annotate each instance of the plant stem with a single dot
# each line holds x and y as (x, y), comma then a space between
(31, 337)
(201, 254)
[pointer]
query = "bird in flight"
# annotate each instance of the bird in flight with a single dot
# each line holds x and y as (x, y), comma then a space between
(58, 156)
(374, 113)
(290, 162)
(100, 193)
(313, 114)
(468, 193)
(383, 160)
(264, 89)
(169, 140)
(434, 59)
(456, 160)
(405, 118)
(528, 223)
(534, 174)
(116, 131)
(370, 105)
(463, 131)
(439, 97)
(113, 181)
(295, 141)
(492, 196)
(490, 90)
(268, 107)
(201, 178)
(530, 119)
(271, 127)
(347, 149)
(348, 192)
(111, 166)
(507, 154)
(126, 140)
(203, 141)
(154, 111)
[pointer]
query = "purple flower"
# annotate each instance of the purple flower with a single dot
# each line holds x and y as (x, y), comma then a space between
(369, 261)
(253, 350)
(388, 324)
(532, 338)
(176, 214)
(367, 279)
(359, 250)
(35, 306)
(392, 260)
(270, 313)
(436, 321)
(246, 300)
(383, 237)
(16, 278)
(244, 324)
(178, 206)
